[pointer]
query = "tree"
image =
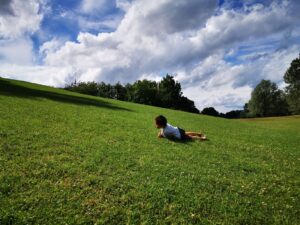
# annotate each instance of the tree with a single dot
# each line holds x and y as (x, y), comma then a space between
(210, 111)
(170, 96)
(167, 93)
(187, 105)
(267, 100)
(104, 90)
(145, 92)
(129, 92)
(120, 91)
(170, 92)
(234, 114)
(246, 111)
(292, 78)
(89, 88)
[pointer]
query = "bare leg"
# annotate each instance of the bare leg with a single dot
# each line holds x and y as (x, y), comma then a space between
(190, 133)
(197, 137)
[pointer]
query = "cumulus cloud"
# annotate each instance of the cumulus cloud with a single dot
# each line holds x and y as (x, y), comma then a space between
(148, 40)
(274, 66)
(138, 46)
(53, 76)
(100, 15)
(214, 85)
(167, 16)
(231, 27)
(6, 8)
(224, 98)
(51, 46)
(18, 20)
(123, 4)
(18, 17)
(18, 51)
(226, 86)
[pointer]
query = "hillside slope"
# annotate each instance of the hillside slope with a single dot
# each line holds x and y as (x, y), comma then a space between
(67, 158)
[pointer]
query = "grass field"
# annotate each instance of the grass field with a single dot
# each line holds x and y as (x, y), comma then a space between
(67, 158)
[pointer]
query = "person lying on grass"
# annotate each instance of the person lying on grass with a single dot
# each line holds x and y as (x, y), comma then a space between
(176, 133)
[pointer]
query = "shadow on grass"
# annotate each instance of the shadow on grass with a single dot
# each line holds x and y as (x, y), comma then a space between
(185, 141)
(8, 88)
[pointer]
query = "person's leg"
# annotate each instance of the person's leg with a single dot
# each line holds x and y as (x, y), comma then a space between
(191, 133)
(197, 137)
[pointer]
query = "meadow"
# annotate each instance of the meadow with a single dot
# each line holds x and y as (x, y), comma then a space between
(67, 158)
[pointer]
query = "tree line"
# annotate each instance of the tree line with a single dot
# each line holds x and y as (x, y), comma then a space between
(166, 93)
(268, 100)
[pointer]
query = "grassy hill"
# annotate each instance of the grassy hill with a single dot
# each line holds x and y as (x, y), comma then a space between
(67, 158)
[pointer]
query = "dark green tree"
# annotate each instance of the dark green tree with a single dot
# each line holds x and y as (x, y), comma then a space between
(245, 111)
(170, 96)
(129, 92)
(120, 92)
(89, 88)
(187, 105)
(267, 100)
(170, 92)
(167, 93)
(211, 111)
(234, 114)
(145, 92)
(292, 78)
(104, 90)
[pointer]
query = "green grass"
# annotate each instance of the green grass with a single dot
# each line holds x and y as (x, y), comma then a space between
(67, 158)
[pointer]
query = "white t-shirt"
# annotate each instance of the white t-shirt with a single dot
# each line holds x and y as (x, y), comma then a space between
(170, 132)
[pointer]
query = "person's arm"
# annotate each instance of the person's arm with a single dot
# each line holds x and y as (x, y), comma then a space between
(160, 135)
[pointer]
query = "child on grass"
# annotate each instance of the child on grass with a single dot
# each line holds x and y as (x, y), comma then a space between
(170, 132)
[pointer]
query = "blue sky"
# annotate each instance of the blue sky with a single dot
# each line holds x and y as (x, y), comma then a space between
(217, 50)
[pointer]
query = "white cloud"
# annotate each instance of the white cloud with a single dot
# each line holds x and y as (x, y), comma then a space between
(110, 23)
(211, 83)
(227, 86)
(274, 66)
(231, 27)
(166, 16)
(95, 6)
(18, 17)
(137, 47)
(18, 20)
(18, 51)
(223, 98)
(53, 76)
(123, 4)
(98, 15)
(51, 46)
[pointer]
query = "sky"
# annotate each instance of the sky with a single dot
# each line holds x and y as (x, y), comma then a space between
(218, 50)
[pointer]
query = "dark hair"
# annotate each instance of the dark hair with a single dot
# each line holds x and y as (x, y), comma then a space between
(161, 120)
